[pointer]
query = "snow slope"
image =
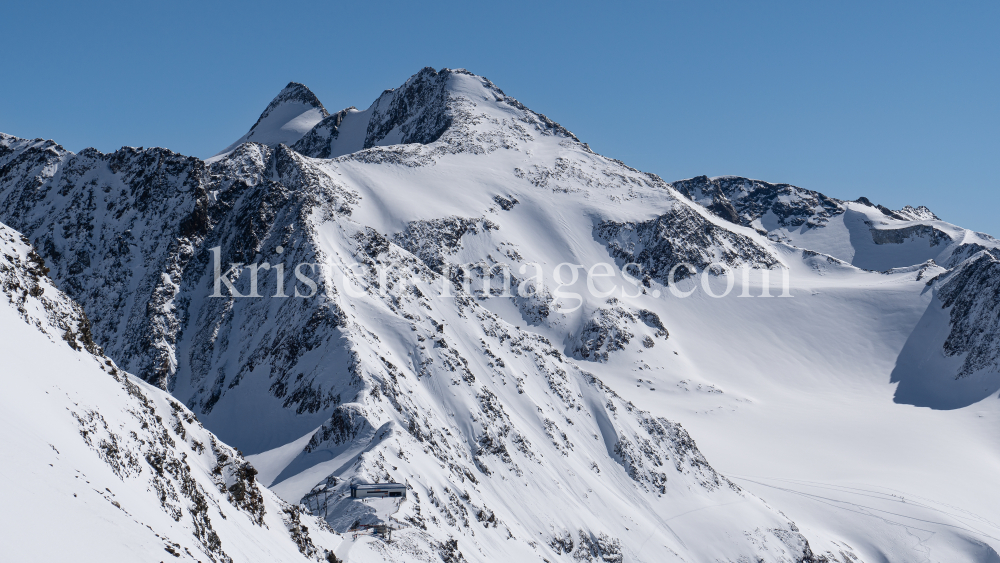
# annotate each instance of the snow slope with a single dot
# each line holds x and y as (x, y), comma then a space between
(544, 427)
(951, 359)
(289, 116)
(99, 466)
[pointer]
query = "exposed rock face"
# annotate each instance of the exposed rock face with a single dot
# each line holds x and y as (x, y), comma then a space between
(24, 281)
(432, 241)
(294, 93)
(346, 425)
(118, 230)
(742, 201)
(317, 142)
(966, 251)
(678, 237)
(606, 332)
(934, 236)
(430, 106)
(612, 327)
(972, 292)
(952, 358)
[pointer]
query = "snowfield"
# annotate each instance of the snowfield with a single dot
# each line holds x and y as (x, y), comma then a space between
(762, 372)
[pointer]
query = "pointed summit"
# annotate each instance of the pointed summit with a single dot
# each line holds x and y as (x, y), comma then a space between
(293, 92)
(289, 116)
(454, 106)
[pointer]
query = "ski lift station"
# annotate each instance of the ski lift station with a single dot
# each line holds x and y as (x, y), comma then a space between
(378, 490)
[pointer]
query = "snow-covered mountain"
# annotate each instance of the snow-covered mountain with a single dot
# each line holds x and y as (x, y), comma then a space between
(541, 424)
(289, 116)
(99, 466)
(861, 233)
(952, 358)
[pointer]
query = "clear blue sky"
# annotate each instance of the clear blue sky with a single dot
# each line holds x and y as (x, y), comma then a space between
(899, 102)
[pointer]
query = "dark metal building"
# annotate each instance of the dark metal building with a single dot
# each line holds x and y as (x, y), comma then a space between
(378, 490)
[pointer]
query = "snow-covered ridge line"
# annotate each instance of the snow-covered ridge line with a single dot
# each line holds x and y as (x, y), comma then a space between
(290, 115)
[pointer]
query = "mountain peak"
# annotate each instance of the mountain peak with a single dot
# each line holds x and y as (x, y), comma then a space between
(289, 116)
(293, 93)
(458, 107)
(919, 213)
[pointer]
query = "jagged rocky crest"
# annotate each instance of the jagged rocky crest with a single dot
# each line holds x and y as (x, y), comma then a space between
(430, 106)
(743, 201)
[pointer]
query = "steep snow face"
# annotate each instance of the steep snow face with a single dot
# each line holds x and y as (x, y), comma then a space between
(951, 360)
(289, 116)
(131, 473)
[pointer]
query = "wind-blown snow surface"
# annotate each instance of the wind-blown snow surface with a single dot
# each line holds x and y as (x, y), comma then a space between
(529, 427)
(100, 467)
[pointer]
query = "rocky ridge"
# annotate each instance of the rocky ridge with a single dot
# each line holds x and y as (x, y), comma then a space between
(150, 467)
